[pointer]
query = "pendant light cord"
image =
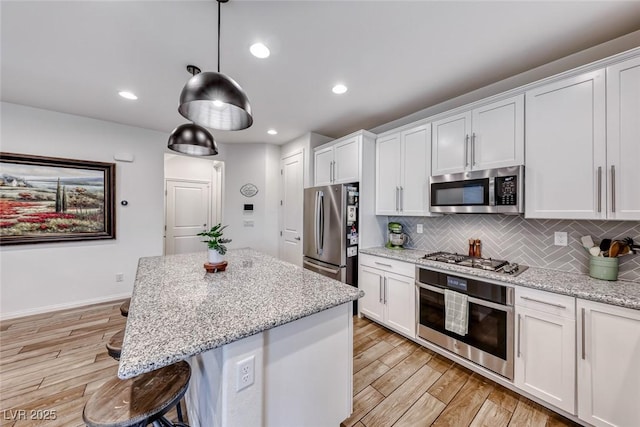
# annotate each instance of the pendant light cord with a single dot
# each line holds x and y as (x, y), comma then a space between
(219, 36)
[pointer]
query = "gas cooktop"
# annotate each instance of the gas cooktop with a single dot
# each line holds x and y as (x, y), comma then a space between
(488, 264)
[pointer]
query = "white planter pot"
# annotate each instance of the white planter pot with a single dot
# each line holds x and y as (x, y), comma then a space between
(215, 257)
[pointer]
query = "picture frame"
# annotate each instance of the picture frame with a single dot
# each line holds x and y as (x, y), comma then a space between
(50, 199)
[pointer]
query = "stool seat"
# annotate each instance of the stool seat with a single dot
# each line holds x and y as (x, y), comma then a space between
(114, 346)
(137, 401)
(124, 308)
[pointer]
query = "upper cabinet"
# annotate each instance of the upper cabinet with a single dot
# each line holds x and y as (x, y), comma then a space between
(490, 136)
(402, 172)
(623, 140)
(338, 162)
(565, 151)
(582, 146)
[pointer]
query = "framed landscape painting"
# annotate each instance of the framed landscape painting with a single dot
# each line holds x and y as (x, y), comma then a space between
(48, 199)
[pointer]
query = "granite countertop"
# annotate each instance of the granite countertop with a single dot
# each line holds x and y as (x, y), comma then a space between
(178, 310)
(621, 293)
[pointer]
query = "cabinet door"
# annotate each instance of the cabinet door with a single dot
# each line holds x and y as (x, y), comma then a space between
(347, 161)
(371, 281)
(400, 297)
(415, 170)
(608, 364)
(497, 136)
(623, 140)
(545, 357)
(387, 174)
(450, 145)
(565, 150)
(323, 166)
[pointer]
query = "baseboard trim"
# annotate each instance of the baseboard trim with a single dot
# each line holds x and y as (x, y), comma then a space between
(58, 307)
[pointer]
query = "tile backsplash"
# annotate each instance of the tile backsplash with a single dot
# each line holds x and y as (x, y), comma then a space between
(525, 241)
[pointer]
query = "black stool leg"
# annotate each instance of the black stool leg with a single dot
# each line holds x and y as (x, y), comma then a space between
(179, 411)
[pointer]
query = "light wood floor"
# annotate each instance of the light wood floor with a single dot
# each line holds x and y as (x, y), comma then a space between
(55, 361)
(52, 363)
(399, 383)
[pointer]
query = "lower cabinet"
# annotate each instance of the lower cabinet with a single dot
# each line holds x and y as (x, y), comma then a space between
(545, 347)
(389, 296)
(608, 364)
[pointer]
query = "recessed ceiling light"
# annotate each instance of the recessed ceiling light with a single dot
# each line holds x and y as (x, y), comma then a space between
(272, 132)
(339, 89)
(127, 95)
(259, 50)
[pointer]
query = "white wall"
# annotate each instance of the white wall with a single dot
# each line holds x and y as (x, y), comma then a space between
(305, 143)
(257, 164)
(43, 277)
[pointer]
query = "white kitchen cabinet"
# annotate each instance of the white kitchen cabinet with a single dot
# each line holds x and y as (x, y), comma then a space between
(337, 162)
(608, 364)
(490, 136)
(389, 287)
(623, 140)
(545, 347)
(565, 150)
(403, 167)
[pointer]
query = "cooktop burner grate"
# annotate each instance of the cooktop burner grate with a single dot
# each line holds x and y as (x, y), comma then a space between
(487, 264)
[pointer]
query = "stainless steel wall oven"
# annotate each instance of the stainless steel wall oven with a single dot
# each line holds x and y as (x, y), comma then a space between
(489, 339)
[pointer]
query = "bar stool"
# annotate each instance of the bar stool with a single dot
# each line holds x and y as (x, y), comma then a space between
(114, 346)
(124, 308)
(139, 401)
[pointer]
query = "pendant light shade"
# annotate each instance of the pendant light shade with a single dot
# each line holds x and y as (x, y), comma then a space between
(216, 101)
(192, 139)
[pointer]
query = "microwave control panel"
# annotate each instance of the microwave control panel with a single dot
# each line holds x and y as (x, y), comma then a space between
(506, 190)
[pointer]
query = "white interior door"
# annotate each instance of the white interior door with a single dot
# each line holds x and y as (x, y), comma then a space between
(291, 213)
(187, 210)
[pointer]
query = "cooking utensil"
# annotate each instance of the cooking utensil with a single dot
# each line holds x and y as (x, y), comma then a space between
(614, 249)
(595, 251)
(605, 244)
(632, 246)
(587, 242)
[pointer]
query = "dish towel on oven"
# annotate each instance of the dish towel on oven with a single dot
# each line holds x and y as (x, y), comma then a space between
(456, 311)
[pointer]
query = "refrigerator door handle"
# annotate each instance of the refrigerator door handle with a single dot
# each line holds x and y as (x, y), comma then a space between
(319, 267)
(316, 220)
(321, 223)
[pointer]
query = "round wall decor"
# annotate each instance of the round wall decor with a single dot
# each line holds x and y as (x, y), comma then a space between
(248, 190)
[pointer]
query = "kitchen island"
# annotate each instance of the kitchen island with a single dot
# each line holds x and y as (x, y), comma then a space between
(268, 342)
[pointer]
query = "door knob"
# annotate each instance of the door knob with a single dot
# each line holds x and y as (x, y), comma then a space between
(297, 238)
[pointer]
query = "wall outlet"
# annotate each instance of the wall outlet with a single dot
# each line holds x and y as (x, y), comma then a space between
(419, 229)
(245, 373)
(119, 277)
(560, 238)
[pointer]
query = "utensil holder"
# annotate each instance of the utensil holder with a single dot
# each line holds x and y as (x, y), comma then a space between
(603, 268)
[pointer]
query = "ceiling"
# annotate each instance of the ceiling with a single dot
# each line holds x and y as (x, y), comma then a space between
(396, 57)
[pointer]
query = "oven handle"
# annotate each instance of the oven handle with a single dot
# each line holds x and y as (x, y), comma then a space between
(473, 300)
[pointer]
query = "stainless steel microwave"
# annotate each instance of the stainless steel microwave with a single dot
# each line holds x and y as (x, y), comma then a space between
(484, 191)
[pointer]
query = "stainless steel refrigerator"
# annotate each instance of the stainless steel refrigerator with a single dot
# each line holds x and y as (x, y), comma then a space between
(331, 231)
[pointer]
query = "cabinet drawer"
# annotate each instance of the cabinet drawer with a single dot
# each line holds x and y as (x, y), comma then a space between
(386, 264)
(547, 302)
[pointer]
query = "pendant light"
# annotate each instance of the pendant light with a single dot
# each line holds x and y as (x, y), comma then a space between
(190, 138)
(214, 100)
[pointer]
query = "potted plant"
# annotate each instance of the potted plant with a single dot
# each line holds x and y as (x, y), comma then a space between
(216, 242)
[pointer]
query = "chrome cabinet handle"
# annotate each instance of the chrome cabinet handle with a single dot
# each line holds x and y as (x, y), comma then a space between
(401, 204)
(473, 149)
(584, 352)
(380, 290)
(613, 188)
(599, 188)
(385, 290)
(544, 302)
(397, 198)
(519, 336)
(466, 145)
(384, 265)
